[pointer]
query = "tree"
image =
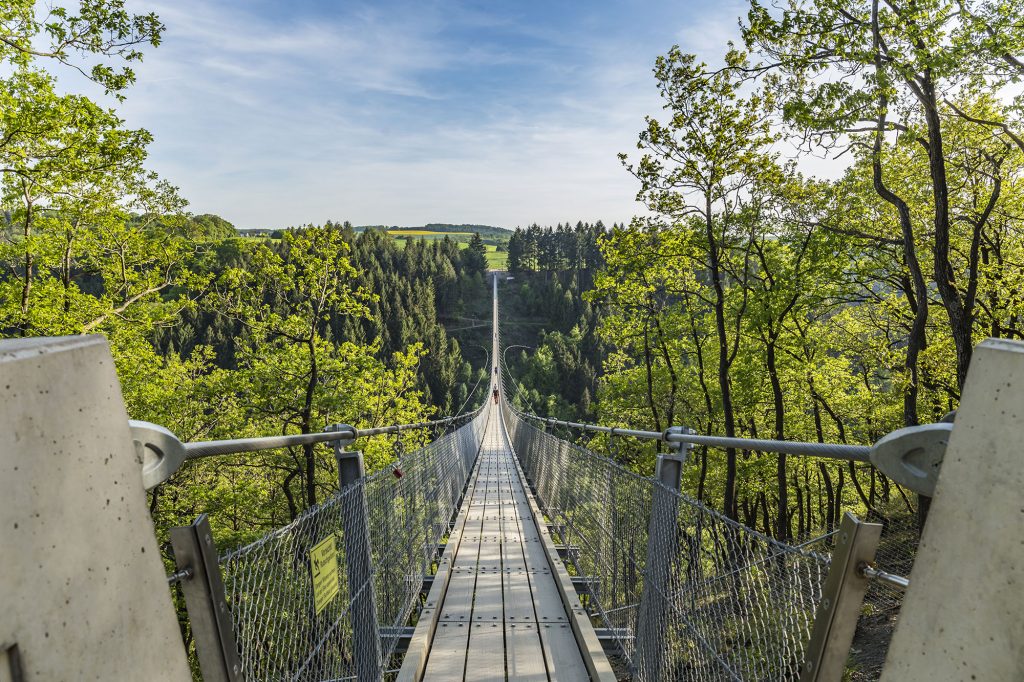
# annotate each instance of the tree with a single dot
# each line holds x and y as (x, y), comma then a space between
(699, 164)
(284, 298)
(71, 174)
(476, 255)
(101, 28)
(896, 67)
(213, 227)
(73, 188)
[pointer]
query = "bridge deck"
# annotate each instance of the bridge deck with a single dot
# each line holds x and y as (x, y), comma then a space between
(502, 613)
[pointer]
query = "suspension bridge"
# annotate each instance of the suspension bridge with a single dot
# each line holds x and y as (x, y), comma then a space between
(498, 551)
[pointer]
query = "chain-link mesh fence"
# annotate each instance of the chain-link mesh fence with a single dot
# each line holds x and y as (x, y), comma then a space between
(409, 508)
(706, 599)
(897, 549)
(269, 587)
(397, 517)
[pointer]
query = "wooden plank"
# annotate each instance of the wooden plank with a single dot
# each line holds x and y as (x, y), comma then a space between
(536, 556)
(467, 556)
(512, 556)
(547, 601)
(447, 659)
(485, 659)
(524, 655)
(458, 600)
(491, 525)
(562, 653)
(487, 598)
(490, 556)
(518, 598)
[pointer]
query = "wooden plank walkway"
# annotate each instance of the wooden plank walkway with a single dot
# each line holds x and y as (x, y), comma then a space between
(499, 609)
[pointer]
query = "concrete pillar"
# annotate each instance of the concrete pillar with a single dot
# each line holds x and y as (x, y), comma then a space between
(83, 591)
(963, 615)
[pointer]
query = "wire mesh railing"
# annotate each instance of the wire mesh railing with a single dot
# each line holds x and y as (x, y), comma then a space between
(689, 593)
(316, 599)
(409, 510)
(280, 633)
(897, 550)
(899, 521)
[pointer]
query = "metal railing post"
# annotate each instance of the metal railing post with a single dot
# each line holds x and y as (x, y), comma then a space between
(195, 557)
(359, 566)
(661, 550)
(836, 618)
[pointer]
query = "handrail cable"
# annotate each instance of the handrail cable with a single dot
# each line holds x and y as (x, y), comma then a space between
(853, 453)
(163, 453)
(209, 448)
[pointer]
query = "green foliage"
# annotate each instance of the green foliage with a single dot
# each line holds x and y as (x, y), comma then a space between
(758, 302)
(554, 249)
(543, 308)
(476, 258)
(213, 227)
(33, 33)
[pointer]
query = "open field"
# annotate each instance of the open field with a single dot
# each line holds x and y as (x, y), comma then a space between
(426, 233)
(496, 260)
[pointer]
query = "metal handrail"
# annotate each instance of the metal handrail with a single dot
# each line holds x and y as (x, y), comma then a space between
(855, 453)
(163, 453)
(911, 456)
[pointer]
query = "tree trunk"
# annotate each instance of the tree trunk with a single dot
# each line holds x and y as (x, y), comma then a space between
(830, 508)
(918, 294)
(307, 417)
(729, 502)
(800, 528)
(26, 286)
(650, 378)
(840, 482)
(961, 318)
(783, 532)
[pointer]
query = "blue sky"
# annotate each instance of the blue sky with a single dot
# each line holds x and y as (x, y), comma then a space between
(501, 113)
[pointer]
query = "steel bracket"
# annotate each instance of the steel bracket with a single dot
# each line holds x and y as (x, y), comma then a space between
(205, 601)
(681, 450)
(835, 619)
(912, 456)
(162, 453)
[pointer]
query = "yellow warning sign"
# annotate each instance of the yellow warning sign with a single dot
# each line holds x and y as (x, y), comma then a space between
(323, 562)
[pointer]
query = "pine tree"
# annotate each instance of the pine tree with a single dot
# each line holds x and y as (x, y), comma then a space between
(475, 258)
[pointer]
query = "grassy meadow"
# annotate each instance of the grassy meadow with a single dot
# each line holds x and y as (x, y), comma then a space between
(496, 260)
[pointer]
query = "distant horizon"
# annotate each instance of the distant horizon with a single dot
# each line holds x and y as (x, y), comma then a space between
(419, 226)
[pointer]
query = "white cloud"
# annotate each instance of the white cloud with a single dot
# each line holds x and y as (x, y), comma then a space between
(710, 30)
(276, 123)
